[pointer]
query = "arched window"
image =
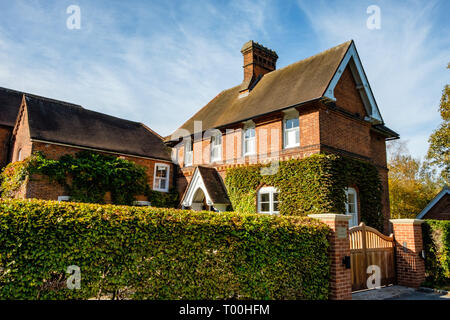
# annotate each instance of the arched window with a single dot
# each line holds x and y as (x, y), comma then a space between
(268, 200)
(19, 155)
(351, 206)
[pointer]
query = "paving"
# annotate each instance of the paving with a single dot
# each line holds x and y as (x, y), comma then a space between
(399, 293)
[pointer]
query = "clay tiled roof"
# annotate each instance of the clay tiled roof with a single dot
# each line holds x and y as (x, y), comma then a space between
(65, 123)
(300, 82)
(9, 106)
(214, 185)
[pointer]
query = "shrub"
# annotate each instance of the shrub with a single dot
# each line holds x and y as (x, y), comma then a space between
(311, 185)
(150, 253)
(436, 238)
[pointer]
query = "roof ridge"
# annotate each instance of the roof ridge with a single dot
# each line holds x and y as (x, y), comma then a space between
(39, 97)
(310, 57)
(82, 108)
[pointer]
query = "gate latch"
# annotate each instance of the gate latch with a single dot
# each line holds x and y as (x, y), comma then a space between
(346, 262)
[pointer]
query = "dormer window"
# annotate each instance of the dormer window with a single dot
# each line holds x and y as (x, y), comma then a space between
(188, 153)
(249, 140)
(216, 147)
(291, 129)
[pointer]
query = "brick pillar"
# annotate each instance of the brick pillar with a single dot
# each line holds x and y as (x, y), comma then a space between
(341, 278)
(408, 249)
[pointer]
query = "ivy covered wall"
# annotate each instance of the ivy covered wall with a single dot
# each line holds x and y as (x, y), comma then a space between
(314, 184)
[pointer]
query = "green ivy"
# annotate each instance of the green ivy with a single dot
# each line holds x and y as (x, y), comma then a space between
(436, 239)
(311, 185)
(154, 253)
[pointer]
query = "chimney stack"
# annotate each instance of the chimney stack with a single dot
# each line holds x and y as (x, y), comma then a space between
(258, 60)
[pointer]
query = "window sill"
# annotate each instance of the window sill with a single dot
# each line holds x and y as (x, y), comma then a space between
(161, 190)
(290, 147)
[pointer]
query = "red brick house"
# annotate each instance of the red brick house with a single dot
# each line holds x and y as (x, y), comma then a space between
(438, 208)
(320, 104)
(30, 123)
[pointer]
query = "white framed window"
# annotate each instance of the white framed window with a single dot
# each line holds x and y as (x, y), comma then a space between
(351, 206)
(216, 147)
(188, 153)
(291, 132)
(161, 177)
(19, 155)
(268, 200)
(249, 141)
(63, 198)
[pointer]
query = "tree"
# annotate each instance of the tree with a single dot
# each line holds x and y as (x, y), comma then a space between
(439, 150)
(412, 184)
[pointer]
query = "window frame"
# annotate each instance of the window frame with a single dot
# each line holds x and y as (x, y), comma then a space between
(286, 131)
(246, 152)
(271, 191)
(191, 152)
(215, 146)
(354, 221)
(166, 189)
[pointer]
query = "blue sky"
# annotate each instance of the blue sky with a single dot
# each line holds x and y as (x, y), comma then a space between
(159, 62)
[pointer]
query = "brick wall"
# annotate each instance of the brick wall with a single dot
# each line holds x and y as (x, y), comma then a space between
(39, 186)
(341, 277)
(410, 265)
(21, 138)
(347, 96)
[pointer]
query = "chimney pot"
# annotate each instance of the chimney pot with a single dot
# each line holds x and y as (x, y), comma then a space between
(258, 60)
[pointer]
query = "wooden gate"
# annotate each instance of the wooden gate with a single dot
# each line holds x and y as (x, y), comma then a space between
(369, 247)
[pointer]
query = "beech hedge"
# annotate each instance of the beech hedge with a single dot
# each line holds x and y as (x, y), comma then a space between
(154, 253)
(436, 239)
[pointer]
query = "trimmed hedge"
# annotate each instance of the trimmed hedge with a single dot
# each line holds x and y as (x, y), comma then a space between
(436, 239)
(152, 253)
(311, 185)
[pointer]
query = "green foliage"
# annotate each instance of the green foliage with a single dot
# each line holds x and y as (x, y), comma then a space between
(12, 177)
(311, 185)
(151, 253)
(163, 199)
(412, 183)
(436, 239)
(439, 149)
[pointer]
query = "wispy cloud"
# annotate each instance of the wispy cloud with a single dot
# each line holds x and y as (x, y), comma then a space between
(405, 60)
(159, 62)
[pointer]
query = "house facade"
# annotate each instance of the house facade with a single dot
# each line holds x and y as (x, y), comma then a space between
(322, 104)
(56, 128)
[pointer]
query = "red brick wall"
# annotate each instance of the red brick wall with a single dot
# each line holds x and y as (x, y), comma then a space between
(341, 278)
(441, 210)
(408, 248)
(344, 132)
(21, 138)
(346, 94)
(5, 136)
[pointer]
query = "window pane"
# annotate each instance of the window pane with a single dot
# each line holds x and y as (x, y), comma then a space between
(265, 197)
(161, 172)
(275, 197)
(351, 198)
(265, 207)
(162, 184)
(249, 133)
(351, 208)
(275, 207)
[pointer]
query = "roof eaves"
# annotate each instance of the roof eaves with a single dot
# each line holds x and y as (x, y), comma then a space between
(433, 202)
